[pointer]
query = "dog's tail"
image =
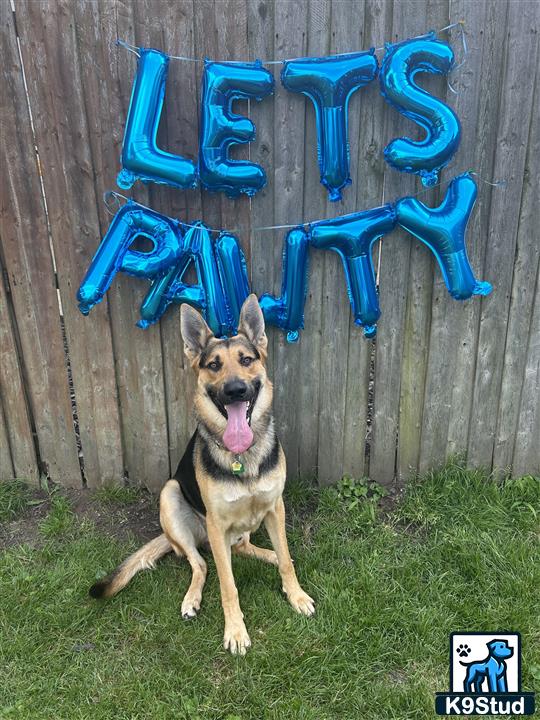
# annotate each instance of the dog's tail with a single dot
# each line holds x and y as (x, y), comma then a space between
(144, 559)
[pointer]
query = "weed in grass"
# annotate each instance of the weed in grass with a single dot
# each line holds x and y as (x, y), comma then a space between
(14, 498)
(114, 493)
(60, 519)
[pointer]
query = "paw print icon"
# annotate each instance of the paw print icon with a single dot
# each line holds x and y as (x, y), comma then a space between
(463, 650)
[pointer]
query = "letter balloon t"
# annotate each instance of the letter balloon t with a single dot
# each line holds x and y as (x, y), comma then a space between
(329, 82)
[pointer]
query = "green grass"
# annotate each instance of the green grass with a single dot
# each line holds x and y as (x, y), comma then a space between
(14, 498)
(460, 552)
(113, 493)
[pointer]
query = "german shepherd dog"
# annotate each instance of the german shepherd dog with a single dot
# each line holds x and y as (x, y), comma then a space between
(230, 479)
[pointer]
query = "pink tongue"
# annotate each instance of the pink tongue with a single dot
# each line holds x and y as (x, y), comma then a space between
(238, 435)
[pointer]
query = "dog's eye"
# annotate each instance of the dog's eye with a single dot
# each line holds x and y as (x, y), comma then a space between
(214, 365)
(246, 361)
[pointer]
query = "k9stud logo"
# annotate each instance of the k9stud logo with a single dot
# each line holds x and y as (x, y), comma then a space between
(485, 676)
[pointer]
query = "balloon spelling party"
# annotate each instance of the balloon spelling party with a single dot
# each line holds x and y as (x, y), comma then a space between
(222, 280)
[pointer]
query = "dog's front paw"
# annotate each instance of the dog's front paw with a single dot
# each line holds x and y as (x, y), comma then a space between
(191, 605)
(236, 638)
(301, 602)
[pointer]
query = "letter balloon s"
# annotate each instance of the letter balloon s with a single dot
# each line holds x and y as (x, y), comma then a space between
(443, 132)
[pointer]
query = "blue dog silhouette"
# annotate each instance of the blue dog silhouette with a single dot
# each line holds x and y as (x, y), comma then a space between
(493, 668)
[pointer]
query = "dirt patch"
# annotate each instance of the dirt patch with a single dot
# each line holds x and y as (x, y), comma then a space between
(119, 520)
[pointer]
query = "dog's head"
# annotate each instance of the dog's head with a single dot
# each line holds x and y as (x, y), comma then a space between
(499, 649)
(233, 389)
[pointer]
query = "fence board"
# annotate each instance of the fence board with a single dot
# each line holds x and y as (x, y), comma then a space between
(6, 466)
(26, 253)
(312, 205)
(65, 103)
(510, 153)
(526, 458)
(289, 112)
(182, 115)
(419, 306)
(521, 305)
(367, 188)
(16, 442)
(451, 337)
(408, 20)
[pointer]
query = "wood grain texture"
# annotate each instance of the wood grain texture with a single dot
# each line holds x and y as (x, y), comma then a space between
(394, 328)
(27, 257)
(289, 153)
(450, 377)
(419, 304)
(451, 348)
(524, 295)
(17, 449)
(72, 143)
(510, 153)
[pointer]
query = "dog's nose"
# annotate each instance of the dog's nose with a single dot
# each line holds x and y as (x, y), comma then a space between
(234, 390)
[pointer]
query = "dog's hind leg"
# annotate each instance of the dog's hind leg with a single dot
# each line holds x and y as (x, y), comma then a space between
(144, 559)
(245, 547)
(186, 532)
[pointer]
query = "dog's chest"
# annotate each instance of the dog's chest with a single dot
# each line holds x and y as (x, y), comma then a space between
(242, 506)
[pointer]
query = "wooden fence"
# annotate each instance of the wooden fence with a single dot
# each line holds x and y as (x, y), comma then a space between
(443, 377)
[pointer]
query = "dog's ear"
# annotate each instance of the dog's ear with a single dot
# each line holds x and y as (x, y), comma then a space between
(195, 332)
(251, 323)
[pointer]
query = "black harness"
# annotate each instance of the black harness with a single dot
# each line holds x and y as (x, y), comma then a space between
(185, 476)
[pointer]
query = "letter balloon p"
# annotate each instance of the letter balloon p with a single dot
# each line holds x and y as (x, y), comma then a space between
(113, 255)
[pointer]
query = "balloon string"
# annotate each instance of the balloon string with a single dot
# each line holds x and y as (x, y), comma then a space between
(135, 50)
(461, 25)
(110, 194)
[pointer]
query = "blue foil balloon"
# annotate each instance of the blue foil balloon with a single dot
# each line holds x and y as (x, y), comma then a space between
(170, 288)
(443, 132)
(114, 255)
(207, 295)
(220, 127)
(352, 236)
(287, 310)
(443, 230)
(329, 82)
(233, 273)
(141, 158)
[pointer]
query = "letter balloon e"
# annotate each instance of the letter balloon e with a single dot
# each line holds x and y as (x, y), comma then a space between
(220, 127)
